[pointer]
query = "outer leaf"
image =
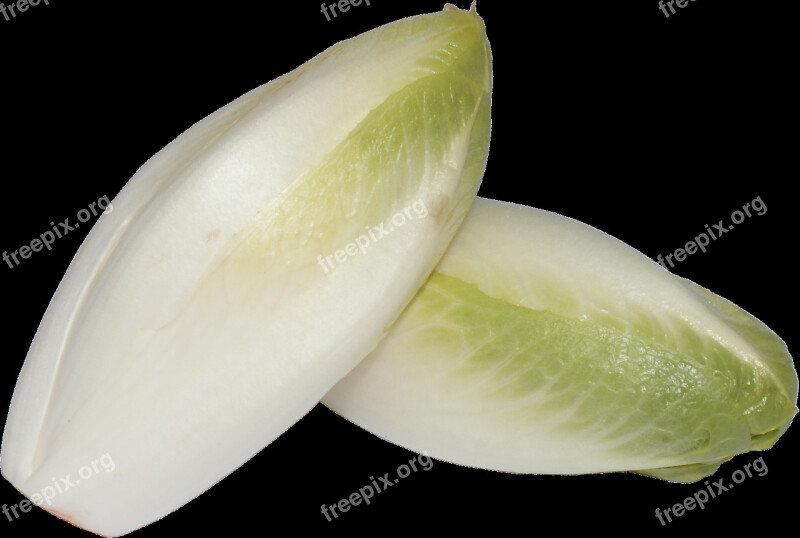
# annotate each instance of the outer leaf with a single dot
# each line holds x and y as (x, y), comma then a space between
(542, 345)
(196, 323)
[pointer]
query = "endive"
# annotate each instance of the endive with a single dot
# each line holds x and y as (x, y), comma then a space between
(196, 322)
(542, 345)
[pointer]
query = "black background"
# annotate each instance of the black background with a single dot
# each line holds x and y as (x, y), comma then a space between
(643, 126)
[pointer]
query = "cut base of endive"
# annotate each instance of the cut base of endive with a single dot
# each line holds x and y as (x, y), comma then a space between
(246, 268)
(543, 345)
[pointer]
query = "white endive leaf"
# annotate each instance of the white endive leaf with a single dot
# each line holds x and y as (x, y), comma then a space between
(542, 345)
(223, 296)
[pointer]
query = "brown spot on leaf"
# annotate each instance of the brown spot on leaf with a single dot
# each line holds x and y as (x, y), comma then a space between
(213, 235)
